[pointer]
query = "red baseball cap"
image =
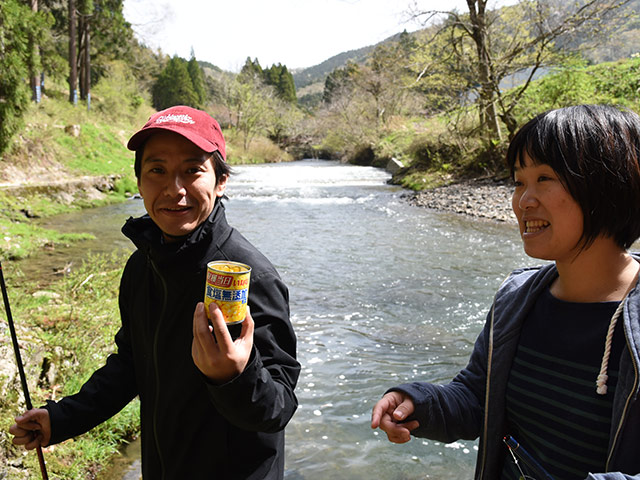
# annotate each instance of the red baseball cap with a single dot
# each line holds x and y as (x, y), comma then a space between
(195, 125)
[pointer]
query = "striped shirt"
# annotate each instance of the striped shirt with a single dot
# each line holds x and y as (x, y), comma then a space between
(553, 409)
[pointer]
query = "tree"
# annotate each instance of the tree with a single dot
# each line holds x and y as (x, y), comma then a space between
(337, 81)
(253, 104)
(174, 86)
(85, 14)
(251, 70)
(111, 36)
(73, 62)
(34, 61)
(18, 23)
(197, 79)
(521, 39)
(279, 77)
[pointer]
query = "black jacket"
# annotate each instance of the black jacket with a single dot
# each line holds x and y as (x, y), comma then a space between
(192, 428)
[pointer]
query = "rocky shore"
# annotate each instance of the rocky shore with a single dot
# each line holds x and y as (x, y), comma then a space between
(483, 198)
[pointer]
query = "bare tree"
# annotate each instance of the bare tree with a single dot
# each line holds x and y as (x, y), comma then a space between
(521, 39)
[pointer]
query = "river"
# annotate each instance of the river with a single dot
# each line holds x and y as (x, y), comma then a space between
(382, 293)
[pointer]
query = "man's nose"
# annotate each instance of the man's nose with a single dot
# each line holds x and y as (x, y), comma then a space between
(175, 186)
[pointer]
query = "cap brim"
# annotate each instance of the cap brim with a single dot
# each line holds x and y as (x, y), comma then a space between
(140, 137)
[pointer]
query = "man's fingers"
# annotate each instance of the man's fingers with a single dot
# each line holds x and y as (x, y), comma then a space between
(201, 330)
(36, 441)
(220, 330)
(248, 326)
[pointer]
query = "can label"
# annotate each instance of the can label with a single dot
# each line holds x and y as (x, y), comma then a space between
(227, 285)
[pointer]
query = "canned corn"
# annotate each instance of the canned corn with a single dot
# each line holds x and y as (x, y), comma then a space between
(227, 285)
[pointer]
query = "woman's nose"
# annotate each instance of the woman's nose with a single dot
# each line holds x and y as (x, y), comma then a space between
(524, 199)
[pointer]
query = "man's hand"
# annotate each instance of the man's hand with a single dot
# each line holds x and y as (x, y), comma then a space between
(394, 407)
(32, 429)
(225, 359)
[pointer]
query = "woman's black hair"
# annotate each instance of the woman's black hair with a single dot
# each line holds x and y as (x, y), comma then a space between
(595, 150)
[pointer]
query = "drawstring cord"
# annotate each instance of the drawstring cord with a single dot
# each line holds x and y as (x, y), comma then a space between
(601, 382)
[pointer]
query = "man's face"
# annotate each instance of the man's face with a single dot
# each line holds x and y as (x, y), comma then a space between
(177, 183)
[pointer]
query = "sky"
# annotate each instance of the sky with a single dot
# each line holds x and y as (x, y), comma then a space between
(295, 33)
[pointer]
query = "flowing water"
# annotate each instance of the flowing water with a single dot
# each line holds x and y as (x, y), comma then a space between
(381, 293)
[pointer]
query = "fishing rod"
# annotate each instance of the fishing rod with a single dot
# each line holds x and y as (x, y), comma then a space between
(518, 451)
(23, 377)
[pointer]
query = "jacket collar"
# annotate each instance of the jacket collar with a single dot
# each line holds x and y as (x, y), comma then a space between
(147, 237)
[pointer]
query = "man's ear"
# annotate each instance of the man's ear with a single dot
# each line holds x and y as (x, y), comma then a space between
(221, 187)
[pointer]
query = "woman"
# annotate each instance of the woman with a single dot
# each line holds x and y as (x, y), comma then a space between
(557, 364)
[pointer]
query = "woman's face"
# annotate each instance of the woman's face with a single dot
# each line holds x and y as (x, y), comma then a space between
(550, 220)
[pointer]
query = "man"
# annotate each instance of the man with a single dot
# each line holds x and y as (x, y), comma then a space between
(211, 407)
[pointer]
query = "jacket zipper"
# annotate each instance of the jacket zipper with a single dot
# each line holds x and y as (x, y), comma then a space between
(155, 364)
(626, 405)
(486, 395)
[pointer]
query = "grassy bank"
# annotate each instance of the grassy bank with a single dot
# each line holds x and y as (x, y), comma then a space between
(66, 332)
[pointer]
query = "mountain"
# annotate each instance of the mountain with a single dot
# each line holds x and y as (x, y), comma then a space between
(309, 81)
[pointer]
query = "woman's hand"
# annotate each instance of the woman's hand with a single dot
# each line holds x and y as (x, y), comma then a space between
(391, 409)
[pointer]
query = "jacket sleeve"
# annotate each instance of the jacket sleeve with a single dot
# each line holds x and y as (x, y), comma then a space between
(453, 411)
(262, 397)
(108, 390)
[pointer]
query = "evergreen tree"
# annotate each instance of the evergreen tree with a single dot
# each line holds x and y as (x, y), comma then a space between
(251, 70)
(197, 79)
(174, 86)
(281, 79)
(287, 86)
(339, 80)
(17, 24)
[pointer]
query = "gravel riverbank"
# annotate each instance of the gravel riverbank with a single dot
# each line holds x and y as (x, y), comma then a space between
(485, 198)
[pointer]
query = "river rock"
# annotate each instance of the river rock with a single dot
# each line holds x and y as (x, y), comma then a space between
(73, 130)
(394, 165)
(483, 198)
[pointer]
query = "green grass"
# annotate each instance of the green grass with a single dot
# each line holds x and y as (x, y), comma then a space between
(57, 326)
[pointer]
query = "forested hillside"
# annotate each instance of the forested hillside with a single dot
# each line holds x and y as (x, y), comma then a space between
(411, 94)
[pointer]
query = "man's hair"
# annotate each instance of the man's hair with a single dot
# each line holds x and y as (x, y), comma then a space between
(595, 150)
(221, 168)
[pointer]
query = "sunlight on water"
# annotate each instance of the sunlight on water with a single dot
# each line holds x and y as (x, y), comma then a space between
(381, 293)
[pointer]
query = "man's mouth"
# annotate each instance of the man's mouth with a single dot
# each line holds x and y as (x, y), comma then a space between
(175, 209)
(533, 226)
